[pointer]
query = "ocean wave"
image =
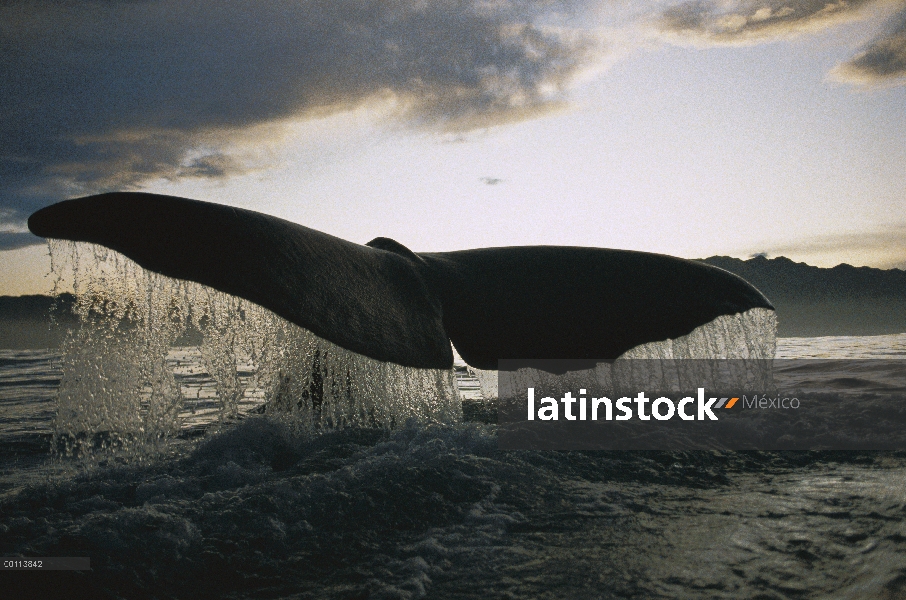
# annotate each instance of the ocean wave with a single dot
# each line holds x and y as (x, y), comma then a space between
(263, 509)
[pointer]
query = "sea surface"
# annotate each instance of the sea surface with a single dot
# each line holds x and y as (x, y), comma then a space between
(253, 508)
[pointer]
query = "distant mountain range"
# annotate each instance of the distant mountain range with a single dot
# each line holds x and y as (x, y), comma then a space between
(35, 321)
(25, 321)
(810, 302)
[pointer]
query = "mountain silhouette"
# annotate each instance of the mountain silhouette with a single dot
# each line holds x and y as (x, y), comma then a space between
(813, 301)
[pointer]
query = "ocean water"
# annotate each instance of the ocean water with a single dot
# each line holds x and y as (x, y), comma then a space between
(253, 507)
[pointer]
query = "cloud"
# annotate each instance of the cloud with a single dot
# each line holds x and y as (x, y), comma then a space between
(751, 21)
(744, 22)
(883, 62)
(99, 96)
(11, 240)
(491, 180)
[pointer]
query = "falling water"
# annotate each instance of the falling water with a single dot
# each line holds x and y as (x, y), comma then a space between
(730, 352)
(117, 382)
(118, 386)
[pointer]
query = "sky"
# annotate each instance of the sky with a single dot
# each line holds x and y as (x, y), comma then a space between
(689, 128)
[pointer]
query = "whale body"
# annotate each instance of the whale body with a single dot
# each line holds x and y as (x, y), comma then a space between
(389, 303)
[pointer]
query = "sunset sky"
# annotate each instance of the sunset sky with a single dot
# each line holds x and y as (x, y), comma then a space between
(689, 128)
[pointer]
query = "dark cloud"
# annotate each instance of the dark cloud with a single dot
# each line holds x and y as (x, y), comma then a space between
(491, 180)
(746, 21)
(12, 240)
(717, 22)
(108, 95)
(882, 62)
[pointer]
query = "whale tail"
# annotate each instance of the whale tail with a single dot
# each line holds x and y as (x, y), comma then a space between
(386, 302)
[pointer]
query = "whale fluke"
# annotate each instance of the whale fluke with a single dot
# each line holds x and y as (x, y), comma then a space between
(391, 304)
(369, 301)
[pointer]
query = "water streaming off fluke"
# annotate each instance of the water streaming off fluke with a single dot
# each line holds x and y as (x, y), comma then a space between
(732, 350)
(117, 382)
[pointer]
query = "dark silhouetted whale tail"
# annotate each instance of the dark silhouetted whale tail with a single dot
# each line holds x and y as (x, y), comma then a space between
(384, 301)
